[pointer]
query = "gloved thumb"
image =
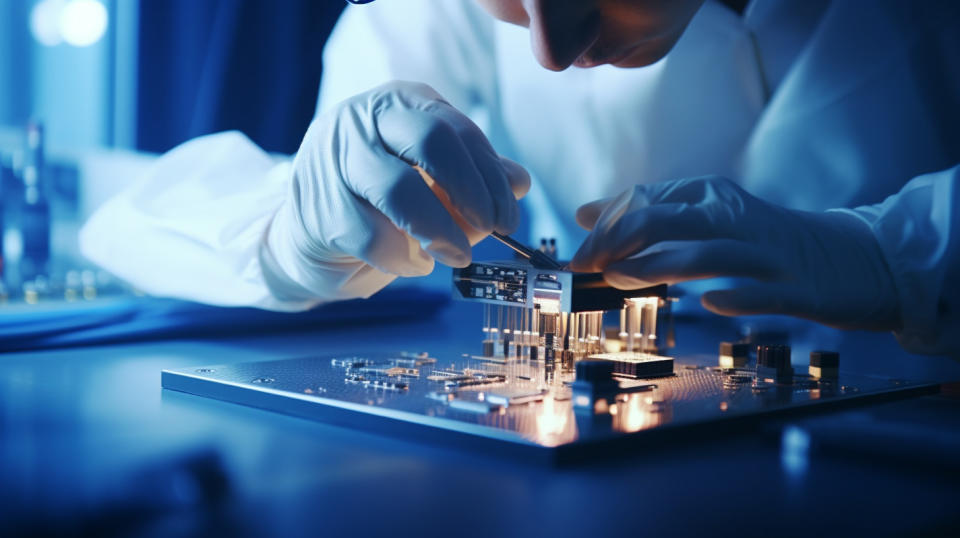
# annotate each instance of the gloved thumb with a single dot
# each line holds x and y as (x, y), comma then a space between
(517, 176)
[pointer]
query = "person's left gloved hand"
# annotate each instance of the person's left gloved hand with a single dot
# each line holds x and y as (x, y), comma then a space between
(827, 267)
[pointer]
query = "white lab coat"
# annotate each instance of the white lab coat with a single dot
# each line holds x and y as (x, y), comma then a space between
(807, 103)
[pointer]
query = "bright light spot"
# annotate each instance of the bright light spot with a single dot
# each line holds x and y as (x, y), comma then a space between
(636, 417)
(77, 22)
(43, 22)
(83, 22)
(794, 451)
(551, 422)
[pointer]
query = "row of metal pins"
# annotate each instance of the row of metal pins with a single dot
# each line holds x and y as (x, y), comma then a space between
(514, 330)
(638, 324)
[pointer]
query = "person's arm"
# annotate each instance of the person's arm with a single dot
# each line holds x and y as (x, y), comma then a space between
(191, 226)
(215, 221)
(918, 230)
(884, 267)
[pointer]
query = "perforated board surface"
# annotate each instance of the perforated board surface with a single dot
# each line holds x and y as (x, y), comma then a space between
(517, 407)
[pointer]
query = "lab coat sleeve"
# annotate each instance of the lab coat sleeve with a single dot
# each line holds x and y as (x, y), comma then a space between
(919, 233)
(192, 227)
(444, 43)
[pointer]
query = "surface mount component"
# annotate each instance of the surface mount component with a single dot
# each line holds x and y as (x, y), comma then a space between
(773, 364)
(824, 364)
(734, 354)
(637, 365)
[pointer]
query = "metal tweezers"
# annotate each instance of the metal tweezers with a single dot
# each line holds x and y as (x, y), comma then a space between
(538, 259)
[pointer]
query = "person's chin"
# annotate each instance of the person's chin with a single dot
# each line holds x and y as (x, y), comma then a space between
(639, 58)
(613, 60)
(647, 53)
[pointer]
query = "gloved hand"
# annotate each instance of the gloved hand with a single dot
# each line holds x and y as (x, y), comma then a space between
(827, 267)
(359, 214)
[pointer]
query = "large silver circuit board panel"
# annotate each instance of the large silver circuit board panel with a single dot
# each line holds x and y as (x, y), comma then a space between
(516, 406)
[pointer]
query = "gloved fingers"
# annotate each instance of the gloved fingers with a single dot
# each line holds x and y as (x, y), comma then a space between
(758, 298)
(693, 261)
(589, 213)
(489, 164)
(404, 197)
(431, 136)
(696, 190)
(622, 232)
(474, 235)
(517, 176)
(377, 241)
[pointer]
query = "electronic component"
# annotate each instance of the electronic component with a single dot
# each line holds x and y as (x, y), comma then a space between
(824, 364)
(734, 354)
(555, 319)
(637, 365)
(594, 379)
(773, 364)
(515, 396)
(518, 283)
(375, 383)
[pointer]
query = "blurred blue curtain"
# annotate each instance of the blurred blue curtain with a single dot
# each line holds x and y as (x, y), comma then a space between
(208, 66)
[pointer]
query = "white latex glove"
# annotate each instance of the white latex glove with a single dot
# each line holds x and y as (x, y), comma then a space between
(827, 267)
(359, 214)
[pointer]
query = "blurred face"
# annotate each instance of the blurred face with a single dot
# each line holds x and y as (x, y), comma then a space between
(587, 33)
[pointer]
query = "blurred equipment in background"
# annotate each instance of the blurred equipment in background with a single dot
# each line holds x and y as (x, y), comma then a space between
(139, 75)
(100, 84)
(34, 218)
(31, 270)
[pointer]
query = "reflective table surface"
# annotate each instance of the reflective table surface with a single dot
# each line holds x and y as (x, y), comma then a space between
(90, 443)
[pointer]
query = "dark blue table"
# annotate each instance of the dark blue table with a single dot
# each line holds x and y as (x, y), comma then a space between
(89, 443)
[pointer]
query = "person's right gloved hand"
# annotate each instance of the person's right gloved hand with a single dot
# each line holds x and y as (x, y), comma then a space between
(359, 214)
(827, 267)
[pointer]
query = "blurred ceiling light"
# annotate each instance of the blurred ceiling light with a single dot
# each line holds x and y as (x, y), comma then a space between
(44, 22)
(83, 22)
(77, 22)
